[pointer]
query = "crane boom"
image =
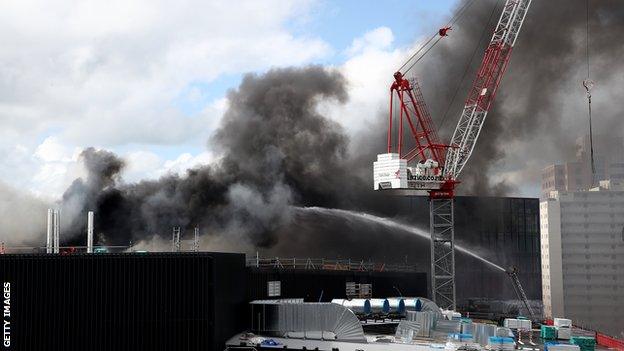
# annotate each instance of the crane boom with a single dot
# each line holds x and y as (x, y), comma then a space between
(483, 91)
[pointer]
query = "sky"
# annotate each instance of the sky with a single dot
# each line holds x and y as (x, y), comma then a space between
(149, 81)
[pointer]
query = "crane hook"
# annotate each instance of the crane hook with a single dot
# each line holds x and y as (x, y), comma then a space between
(444, 31)
(588, 84)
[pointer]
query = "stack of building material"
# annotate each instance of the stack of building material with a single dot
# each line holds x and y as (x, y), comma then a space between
(461, 342)
(503, 332)
(511, 323)
(407, 330)
(548, 332)
(501, 343)
(451, 315)
(460, 337)
(555, 346)
(524, 324)
(445, 327)
(564, 328)
(586, 343)
(482, 333)
(517, 324)
(467, 327)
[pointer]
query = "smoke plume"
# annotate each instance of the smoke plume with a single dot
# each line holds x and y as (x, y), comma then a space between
(277, 151)
(541, 108)
(23, 217)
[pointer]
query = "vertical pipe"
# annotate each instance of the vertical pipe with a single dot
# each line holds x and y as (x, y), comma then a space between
(401, 124)
(90, 232)
(390, 124)
(57, 229)
(49, 231)
(196, 239)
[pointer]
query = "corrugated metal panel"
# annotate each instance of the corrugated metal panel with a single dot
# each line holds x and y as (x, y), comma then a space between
(307, 320)
(121, 301)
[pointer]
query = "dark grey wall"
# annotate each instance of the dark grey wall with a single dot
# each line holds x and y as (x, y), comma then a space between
(151, 301)
(504, 230)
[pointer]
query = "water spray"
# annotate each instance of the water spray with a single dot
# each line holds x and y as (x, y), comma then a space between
(392, 224)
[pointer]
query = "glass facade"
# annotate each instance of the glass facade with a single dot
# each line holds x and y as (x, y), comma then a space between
(503, 230)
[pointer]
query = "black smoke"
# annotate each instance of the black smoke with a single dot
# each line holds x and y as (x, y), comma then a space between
(277, 151)
(541, 109)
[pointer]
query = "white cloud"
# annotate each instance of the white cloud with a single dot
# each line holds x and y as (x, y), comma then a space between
(368, 72)
(377, 39)
(56, 167)
(184, 162)
(148, 165)
(141, 165)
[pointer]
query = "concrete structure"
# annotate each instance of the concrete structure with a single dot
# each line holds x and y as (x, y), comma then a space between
(577, 175)
(582, 249)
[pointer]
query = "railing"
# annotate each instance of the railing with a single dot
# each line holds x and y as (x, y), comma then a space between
(327, 264)
(63, 250)
(601, 338)
(610, 342)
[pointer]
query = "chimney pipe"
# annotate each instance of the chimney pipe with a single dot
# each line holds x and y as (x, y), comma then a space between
(50, 230)
(57, 230)
(90, 232)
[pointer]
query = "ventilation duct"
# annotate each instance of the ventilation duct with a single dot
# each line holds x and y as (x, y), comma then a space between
(356, 305)
(380, 305)
(295, 319)
(397, 305)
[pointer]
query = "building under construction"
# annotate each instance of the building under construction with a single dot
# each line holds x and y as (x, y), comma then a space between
(503, 230)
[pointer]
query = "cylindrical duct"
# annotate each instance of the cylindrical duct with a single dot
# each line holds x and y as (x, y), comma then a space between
(380, 305)
(355, 305)
(90, 232)
(413, 304)
(397, 305)
(49, 231)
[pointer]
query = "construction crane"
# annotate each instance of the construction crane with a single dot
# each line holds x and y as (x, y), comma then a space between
(430, 167)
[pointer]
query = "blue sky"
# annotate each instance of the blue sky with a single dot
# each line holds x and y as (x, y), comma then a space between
(337, 23)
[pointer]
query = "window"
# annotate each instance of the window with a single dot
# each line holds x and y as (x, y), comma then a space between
(274, 288)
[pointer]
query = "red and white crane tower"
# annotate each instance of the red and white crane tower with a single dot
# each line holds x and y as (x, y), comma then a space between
(429, 167)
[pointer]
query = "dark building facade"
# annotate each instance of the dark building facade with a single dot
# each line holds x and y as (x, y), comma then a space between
(504, 230)
(147, 301)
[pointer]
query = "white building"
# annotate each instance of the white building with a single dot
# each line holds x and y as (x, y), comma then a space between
(582, 238)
